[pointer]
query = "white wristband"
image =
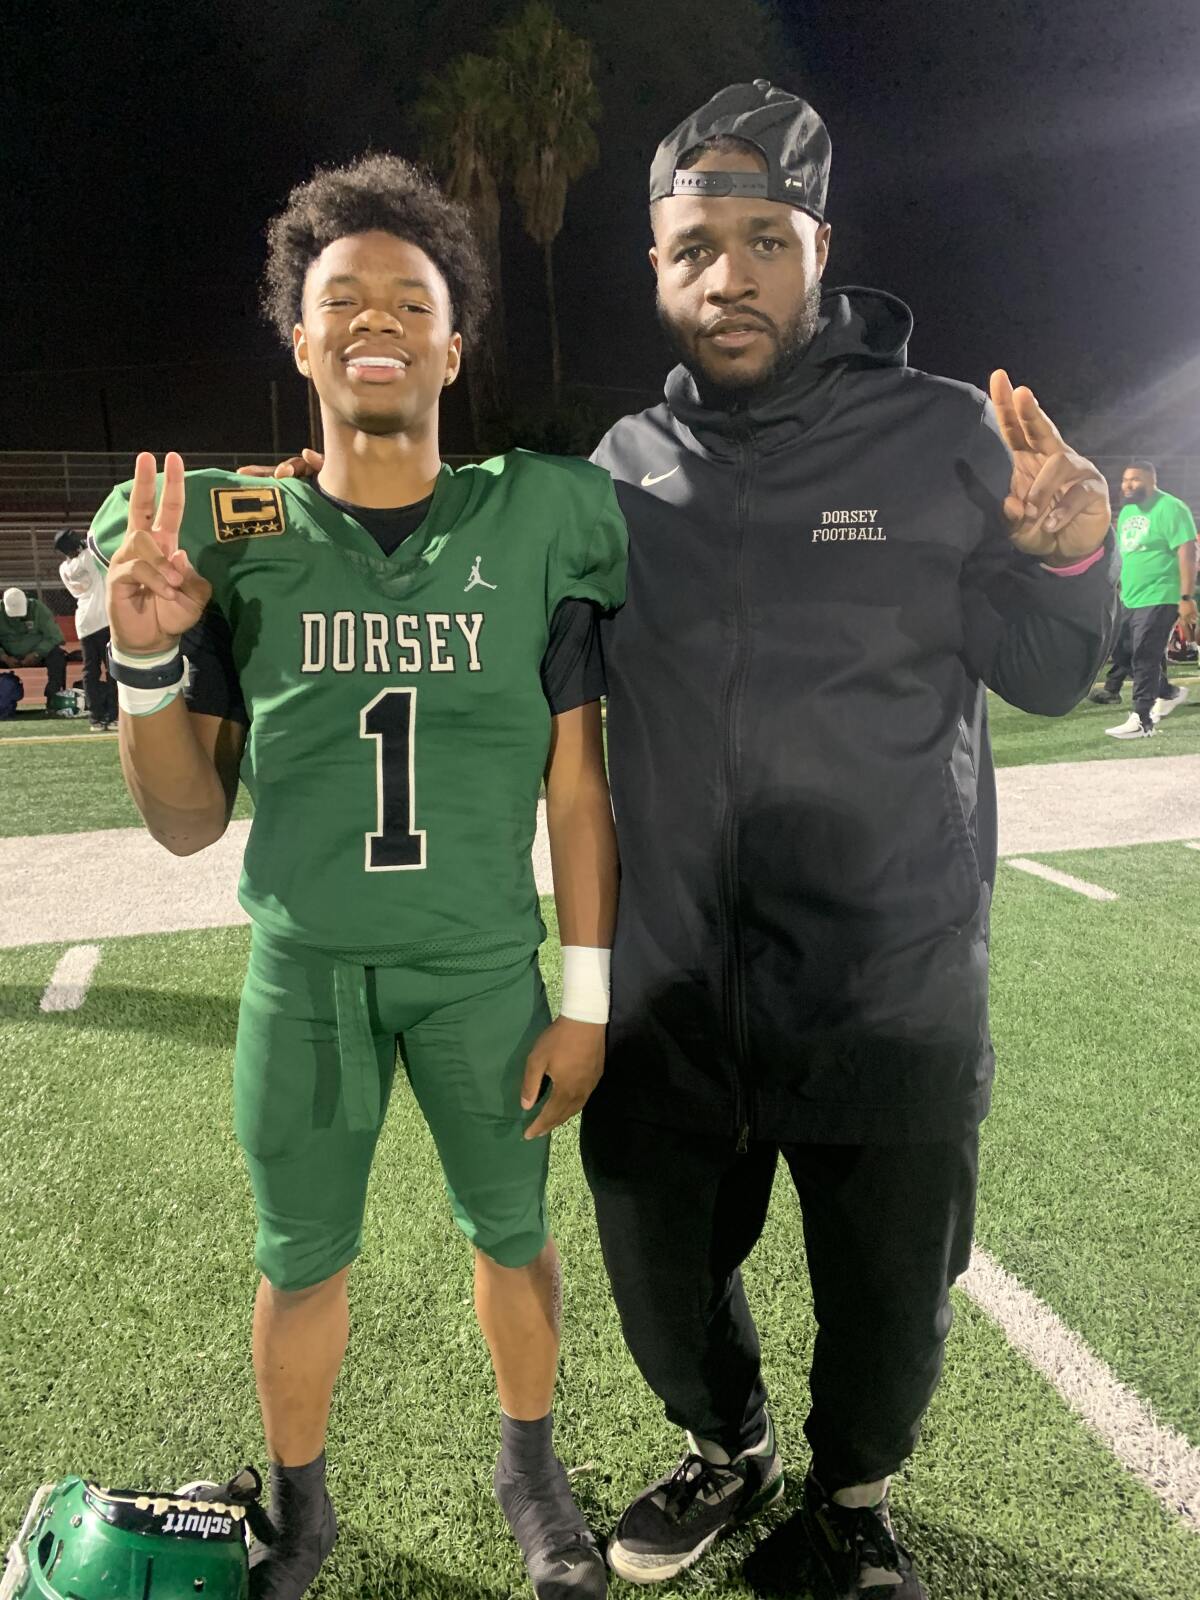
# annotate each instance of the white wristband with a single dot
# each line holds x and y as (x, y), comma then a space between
(586, 976)
(142, 702)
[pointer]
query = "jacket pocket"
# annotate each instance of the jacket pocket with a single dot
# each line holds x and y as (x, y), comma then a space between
(959, 806)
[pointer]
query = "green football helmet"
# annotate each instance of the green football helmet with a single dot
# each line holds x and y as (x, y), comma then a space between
(81, 1542)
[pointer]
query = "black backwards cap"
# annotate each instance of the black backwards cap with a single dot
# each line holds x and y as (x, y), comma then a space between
(785, 129)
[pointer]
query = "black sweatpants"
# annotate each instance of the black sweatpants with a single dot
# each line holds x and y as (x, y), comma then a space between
(887, 1230)
(101, 691)
(1149, 634)
(1122, 659)
(55, 663)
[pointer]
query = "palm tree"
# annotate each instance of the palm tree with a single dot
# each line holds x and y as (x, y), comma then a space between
(547, 73)
(464, 115)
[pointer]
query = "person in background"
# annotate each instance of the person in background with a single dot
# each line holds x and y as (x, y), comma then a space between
(82, 578)
(1156, 534)
(1120, 665)
(30, 637)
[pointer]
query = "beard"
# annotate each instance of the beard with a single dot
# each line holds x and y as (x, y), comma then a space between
(734, 387)
(1133, 497)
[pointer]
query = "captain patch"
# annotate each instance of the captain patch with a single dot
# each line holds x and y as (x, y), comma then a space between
(247, 513)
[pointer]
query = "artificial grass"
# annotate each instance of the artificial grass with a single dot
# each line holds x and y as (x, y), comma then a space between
(1092, 1194)
(127, 1282)
(40, 725)
(68, 785)
(1021, 740)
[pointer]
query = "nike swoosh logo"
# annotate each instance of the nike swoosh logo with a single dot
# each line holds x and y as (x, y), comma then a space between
(650, 479)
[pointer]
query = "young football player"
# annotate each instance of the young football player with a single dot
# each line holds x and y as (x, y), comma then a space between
(393, 654)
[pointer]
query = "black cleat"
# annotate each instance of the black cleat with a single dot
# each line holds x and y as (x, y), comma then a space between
(284, 1568)
(1104, 697)
(672, 1523)
(561, 1556)
(856, 1555)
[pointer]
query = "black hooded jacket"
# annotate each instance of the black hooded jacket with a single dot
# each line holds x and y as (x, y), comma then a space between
(820, 587)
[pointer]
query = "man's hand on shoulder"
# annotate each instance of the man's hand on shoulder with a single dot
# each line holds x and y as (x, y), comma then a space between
(1057, 506)
(306, 465)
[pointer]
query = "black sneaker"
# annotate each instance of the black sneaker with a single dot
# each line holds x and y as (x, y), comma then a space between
(672, 1523)
(856, 1555)
(1104, 697)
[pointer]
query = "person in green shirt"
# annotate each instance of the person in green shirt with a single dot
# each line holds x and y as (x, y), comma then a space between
(1156, 535)
(30, 637)
(392, 656)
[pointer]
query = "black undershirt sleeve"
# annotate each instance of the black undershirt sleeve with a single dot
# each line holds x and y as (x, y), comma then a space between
(212, 682)
(572, 667)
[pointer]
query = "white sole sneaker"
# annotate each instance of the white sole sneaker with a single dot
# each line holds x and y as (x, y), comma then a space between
(652, 1541)
(1164, 708)
(1131, 728)
(635, 1567)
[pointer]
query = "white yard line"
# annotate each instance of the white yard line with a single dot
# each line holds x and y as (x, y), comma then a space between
(1191, 844)
(1167, 1463)
(53, 738)
(1064, 880)
(68, 987)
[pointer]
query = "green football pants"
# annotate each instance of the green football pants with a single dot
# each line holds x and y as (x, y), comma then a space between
(311, 1091)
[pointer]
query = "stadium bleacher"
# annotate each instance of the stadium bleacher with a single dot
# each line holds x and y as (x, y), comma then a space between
(41, 492)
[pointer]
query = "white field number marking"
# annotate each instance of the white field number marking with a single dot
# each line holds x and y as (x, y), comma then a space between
(67, 989)
(1063, 879)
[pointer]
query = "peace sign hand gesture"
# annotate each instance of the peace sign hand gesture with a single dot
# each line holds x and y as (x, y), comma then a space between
(154, 593)
(1057, 505)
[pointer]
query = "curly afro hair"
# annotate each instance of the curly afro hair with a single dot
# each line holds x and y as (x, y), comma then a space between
(376, 192)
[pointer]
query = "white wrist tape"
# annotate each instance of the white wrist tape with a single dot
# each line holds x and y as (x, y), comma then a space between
(586, 981)
(137, 702)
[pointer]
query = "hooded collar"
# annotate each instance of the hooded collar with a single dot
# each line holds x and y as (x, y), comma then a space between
(857, 328)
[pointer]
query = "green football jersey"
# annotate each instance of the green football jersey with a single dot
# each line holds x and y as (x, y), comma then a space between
(398, 725)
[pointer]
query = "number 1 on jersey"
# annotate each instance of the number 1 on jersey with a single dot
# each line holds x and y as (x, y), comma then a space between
(391, 720)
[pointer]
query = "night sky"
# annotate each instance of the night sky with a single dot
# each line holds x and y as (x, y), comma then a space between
(1025, 175)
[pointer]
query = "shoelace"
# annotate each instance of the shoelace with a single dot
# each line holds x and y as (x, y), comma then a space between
(693, 1477)
(873, 1538)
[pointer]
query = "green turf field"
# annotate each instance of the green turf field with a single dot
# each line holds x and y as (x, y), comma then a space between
(1019, 739)
(1093, 1170)
(60, 783)
(126, 1282)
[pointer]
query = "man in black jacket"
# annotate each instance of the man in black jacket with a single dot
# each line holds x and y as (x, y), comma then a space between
(832, 555)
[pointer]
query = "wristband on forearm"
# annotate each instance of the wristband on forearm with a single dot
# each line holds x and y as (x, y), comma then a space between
(586, 972)
(145, 683)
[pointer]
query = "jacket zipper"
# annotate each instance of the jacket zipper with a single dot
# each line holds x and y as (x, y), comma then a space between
(731, 942)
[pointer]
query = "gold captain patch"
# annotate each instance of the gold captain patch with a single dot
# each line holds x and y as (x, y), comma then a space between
(247, 513)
